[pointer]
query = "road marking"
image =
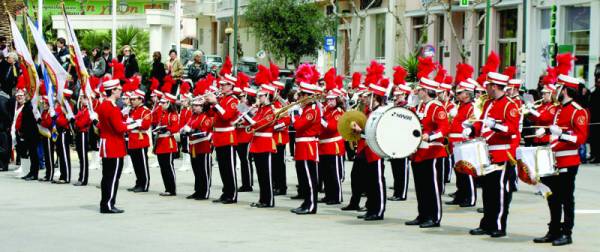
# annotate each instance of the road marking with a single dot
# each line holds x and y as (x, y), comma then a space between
(587, 211)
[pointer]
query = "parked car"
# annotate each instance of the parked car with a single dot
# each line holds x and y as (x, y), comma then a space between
(248, 65)
(213, 62)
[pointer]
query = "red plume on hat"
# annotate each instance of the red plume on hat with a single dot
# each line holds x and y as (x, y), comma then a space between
(226, 68)
(263, 76)
(167, 85)
(551, 76)
(184, 88)
(448, 79)
(564, 63)
(329, 79)
(491, 65)
(118, 70)
(304, 73)
(425, 67)
(339, 81)
(316, 75)
(399, 75)
(441, 74)
(374, 73)
(26, 78)
(274, 69)
(21, 82)
(510, 71)
(201, 86)
(356, 76)
(243, 80)
(210, 79)
(153, 84)
(94, 82)
(42, 90)
(463, 72)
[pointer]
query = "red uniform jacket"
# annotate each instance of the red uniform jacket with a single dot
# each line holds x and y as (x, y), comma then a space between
(82, 120)
(61, 119)
(240, 131)
(546, 118)
(362, 146)
(574, 121)
(434, 122)
(517, 137)
(330, 141)
(262, 140)
(281, 133)
(138, 138)
(112, 130)
(500, 138)
(203, 123)
(156, 114)
(165, 142)
(308, 127)
(465, 111)
(224, 113)
(184, 116)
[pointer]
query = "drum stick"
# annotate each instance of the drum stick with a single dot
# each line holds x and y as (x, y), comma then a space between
(481, 120)
(540, 127)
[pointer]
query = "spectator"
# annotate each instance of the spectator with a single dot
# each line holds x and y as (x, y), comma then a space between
(5, 125)
(127, 58)
(106, 54)
(174, 66)
(86, 59)
(98, 63)
(594, 108)
(158, 68)
(62, 53)
(9, 72)
(197, 69)
(3, 47)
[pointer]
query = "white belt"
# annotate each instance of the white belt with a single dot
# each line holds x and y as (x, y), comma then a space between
(566, 153)
(426, 145)
(137, 131)
(499, 147)
(263, 134)
(563, 170)
(225, 129)
(164, 135)
(306, 139)
(330, 140)
(456, 135)
(199, 140)
(513, 137)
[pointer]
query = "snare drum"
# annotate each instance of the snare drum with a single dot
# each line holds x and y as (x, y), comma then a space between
(534, 163)
(393, 132)
(472, 157)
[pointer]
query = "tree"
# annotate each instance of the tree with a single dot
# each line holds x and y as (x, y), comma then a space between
(288, 29)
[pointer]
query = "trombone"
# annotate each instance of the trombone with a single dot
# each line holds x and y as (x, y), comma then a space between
(281, 112)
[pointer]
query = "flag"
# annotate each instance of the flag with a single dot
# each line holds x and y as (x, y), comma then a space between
(56, 73)
(27, 61)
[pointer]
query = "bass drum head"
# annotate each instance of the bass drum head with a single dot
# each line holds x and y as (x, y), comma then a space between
(393, 132)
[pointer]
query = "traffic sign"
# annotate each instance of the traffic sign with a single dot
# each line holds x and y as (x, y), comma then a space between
(464, 3)
(329, 43)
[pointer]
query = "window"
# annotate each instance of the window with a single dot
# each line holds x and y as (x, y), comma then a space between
(440, 37)
(577, 34)
(481, 37)
(418, 31)
(380, 35)
(507, 39)
(201, 36)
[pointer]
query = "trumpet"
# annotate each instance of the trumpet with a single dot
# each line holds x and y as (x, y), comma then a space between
(281, 112)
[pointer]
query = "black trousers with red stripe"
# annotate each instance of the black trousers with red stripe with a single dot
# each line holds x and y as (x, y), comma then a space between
(226, 161)
(376, 190)
(279, 169)
(201, 166)
(562, 201)
(466, 189)
(109, 185)
(81, 144)
(401, 172)
(497, 189)
(167, 170)
(48, 157)
(307, 178)
(428, 188)
(64, 154)
(245, 164)
(265, 177)
(139, 160)
(330, 172)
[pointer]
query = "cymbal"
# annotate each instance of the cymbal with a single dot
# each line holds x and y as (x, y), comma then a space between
(344, 124)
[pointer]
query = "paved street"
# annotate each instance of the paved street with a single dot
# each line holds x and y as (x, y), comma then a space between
(37, 216)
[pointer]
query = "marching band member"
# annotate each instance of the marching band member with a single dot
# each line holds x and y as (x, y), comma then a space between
(567, 133)
(427, 161)
(499, 122)
(400, 166)
(262, 145)
(112, 145)
(168, 124)
(247, 109)
(45, 128)
(281, 134)
(331, 144)
(466, 192)
(63, 140)
(26, 130)
(308, 126)
(224, 111)
(199, 129)
(445, 96)
(139, 141)
(82, 127)
(542, 115)
(185, 113)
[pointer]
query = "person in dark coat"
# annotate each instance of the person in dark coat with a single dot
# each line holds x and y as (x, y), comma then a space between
(158, 68)
(594, 108)
(9, 72)
(127, 58)
(5, 125)
(28, 135)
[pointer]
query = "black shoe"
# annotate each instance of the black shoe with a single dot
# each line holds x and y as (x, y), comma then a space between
(167, 194)
(480, 210)
(413, 222)
(429, 224)
(277, 192)
(219, 200)
(131, 189)
(228, 201)
(79, 183)
(362, 209)
(245, 189)
(297, 197)
(193, 196)
(112, 211)
(350, 208)
(323, 200)
(362, 216)
(26, 177)
(452, 202)
(478, 231)
(200, 198)
(139, 189)
(396, 198)
(548, 238)
(44, 179)
(305, 211)
(452, 195)
(30, 178)
(562, 240)
(497, 234)
(254, 204)
(373, 217)
(333, 202)
(464, 204)
(296, 209)
(261, 205)
(60, 182)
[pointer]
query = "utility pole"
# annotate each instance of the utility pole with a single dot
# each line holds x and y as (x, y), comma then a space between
(235, 35)
(335, 35)
(488, 7)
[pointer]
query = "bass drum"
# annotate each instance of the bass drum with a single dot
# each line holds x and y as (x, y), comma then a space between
(393, 132)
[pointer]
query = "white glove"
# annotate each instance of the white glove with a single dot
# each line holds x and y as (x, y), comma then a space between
(36, 114)
(138, 121)
(186, 129)
(324, 123)
(489, 122)
(132, 126)
(540, 132)
(467, 132)
(125, 110)
(530, 106)
(555, 130)
(453, 112)
(467, 124)
(69, 116)
(93, 116)
(129, 120)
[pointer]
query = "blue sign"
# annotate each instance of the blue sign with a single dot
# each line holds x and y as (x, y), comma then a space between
(329, 43)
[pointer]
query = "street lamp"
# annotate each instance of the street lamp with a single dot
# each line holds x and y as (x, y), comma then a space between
(123, 6)
(228, 32)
